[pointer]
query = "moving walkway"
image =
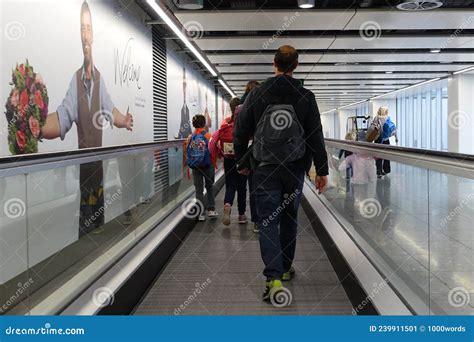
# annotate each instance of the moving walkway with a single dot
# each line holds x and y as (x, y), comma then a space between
(401, 244)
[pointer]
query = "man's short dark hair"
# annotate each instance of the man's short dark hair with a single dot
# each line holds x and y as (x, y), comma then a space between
(199, 121)
(286, 58)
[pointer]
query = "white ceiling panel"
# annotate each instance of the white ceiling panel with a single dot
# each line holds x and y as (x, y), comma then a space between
(413, 42)
(354, 88)
(266, 20)
(262, 43)
(368, 83)
(395, 20)
(338, 82)
(346, 68)
(337, 76)
(348, 58)
(397, 57)
(442, 58)
(258, 58)
(326, 19)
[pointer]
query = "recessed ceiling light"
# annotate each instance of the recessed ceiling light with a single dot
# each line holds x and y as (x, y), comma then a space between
(306, 4)
(419, 5)
(435, 50)
(389, 72)
(190, 4)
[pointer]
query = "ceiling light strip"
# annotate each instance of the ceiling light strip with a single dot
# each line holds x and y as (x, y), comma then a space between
(226, 87)
(406, 88)
(463, 70)
(164, 16)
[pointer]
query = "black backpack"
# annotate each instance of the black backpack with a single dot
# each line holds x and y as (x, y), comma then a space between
(279, 137)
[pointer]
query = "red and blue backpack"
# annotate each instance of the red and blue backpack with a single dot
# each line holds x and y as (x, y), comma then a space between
(198, 155)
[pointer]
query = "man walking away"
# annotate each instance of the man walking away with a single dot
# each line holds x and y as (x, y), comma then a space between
(284, 121)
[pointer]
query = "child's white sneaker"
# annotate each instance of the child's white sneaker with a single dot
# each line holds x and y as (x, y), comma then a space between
(212, 214)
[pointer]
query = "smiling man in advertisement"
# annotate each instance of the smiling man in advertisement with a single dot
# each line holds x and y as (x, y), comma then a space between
(87, 104)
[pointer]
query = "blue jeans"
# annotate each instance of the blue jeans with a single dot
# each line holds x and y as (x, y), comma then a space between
(205, 178)
(252, 195)
(278, 197)
(235, 182)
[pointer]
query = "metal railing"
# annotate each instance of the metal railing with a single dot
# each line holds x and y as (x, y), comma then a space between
(22, 164)
(446, 162)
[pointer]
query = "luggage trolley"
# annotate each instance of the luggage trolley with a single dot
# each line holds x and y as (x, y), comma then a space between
(359, 125)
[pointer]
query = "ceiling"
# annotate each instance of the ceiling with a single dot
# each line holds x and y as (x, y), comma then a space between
(347, 54)
(337, 4)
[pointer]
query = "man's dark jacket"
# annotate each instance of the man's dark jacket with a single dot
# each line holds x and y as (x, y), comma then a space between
(283, 89)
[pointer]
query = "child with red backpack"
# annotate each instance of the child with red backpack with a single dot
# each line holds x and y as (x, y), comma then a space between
(202, 163)
(222, 145)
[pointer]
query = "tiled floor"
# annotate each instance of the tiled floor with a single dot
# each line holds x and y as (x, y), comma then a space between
(223, 264)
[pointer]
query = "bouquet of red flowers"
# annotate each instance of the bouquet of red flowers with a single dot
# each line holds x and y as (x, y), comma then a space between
(26, 110)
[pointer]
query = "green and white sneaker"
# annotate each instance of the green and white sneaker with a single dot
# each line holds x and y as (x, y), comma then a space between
(256, 229)
(287, 276)
(269, 286)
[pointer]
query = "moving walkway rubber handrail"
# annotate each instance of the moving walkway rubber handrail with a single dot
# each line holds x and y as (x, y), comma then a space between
(22, 164)
(445, 154)
(457, 164)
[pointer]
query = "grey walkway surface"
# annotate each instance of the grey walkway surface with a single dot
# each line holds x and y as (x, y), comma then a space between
(218, 271)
